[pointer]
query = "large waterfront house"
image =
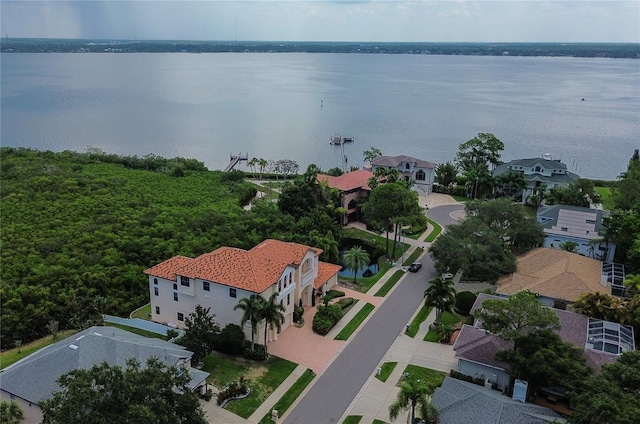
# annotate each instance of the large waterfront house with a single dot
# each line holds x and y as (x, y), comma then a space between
(475, 348)
(557, 275)
(219, 279)
(352, 186)
(562, 223)
(34, 378)
(537, 171)
(421, 172)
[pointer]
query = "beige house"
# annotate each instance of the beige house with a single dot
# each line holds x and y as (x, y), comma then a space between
(352, 186)
(555, 275)
(219, 279)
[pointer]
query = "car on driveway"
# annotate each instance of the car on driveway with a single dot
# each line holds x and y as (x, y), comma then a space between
(415, 267)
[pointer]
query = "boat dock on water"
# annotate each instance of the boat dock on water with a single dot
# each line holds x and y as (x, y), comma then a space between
(338, 139)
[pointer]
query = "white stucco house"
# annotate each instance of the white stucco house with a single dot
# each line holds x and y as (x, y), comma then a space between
(411, 169)
(219, 279)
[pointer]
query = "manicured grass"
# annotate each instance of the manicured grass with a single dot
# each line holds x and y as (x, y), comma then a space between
(386, 287)
(419, 319)
(432, 377)
(269, 192)
(447, 318)
(355, 322)
(413, 256)
(605, 197)
(290, 396)
(138, 331)
(372, 238)
(263, 378)
(11, 356)
(414, 233)
(143, 313)
(437, 229)
(387, 369)
(462, 199)
(377, 421)
(352, 419)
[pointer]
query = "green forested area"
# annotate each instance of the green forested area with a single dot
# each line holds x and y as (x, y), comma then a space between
(78, 229)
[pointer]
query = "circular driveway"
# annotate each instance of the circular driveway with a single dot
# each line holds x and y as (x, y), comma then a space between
(446, 214)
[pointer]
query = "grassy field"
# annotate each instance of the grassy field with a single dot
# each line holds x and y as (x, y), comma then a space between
(355, 322)
(143, 313)
(605, 197)
(388, 285)
(262, 377)
(447, 318)
(432, 377)
(419, 319)
(138, 331)
(11, 356)
(387, 369)
(290, 396)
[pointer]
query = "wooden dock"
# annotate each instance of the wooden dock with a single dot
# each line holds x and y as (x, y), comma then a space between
(234, 159)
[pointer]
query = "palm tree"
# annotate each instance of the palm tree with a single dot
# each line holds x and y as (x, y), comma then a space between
(262, 163)
(441, 295)
(272, 313)
(598, 305)
(414, 393)
(252, 312)
(355, 259)
(252, 164)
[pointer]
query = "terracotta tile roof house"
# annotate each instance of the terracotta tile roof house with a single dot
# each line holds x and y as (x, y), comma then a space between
(555, 274)
(460, 402)
(536, 171)
(475, 348)
(563, 223)
(353, 186)
(33, 379)
(219, 279)
(410, 168)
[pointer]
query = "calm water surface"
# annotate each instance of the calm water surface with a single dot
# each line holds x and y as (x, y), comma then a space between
(286, 106)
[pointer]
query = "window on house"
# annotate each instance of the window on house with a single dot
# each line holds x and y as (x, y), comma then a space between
(155, 281)
(291, 277)
(232, 292)
(184, 281)
(407, 166)
(175, 286)
(306, 266)
(206, 286)
(537, 169)
(157, 310)
(180, 316)
(564, 229)
(279, 286)
(420, 175)
(289, 299)
(175, 297)
(155, 291)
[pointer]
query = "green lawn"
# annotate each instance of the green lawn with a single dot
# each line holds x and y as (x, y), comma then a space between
(138, 331)
(290, 396)
(432, 377)
(11, 356)
(437, 229)
(143, 313)
(263, 378)
(352, 419)
(372, 238)
(386, 287)
(387, 369)
(605, 197)
(270, 193)
(419, 319)
(377, 421)
(413, 256)
(355, 322)
(447, 318)
(363, 284)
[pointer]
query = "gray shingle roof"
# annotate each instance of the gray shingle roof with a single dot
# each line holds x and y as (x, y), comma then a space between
(34, 378)
(394, 161)
(558, 178)
(459, 402)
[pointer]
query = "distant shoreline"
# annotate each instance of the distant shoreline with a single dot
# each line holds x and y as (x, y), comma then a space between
(584, 50)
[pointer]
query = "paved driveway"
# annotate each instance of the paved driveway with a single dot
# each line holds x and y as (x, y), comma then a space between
(446, 214)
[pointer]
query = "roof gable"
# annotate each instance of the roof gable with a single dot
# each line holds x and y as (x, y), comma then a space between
(348, 181)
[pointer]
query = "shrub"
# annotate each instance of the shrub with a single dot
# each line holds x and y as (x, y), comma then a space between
(345, 303)
(332, 294)
(230, 340)
(233, 389)
(459, 376)
(172, 334)
(258, 353)
(465, 301)
(326, 318)
(560, 304)
(297, 314)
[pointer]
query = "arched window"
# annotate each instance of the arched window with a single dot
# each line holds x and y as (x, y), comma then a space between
(537, 169)
(420, 175)
(306, 266)
(352, 204)
(407, 166)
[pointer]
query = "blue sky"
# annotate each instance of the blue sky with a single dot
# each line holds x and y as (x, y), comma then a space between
(311, 20)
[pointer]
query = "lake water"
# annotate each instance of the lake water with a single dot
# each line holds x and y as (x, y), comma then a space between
(286, 106)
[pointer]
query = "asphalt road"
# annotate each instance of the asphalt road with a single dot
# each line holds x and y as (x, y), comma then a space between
(332, 394)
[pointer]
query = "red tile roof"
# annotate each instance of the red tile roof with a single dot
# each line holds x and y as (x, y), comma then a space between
(325, 272)
(254, 270)
(348, 181)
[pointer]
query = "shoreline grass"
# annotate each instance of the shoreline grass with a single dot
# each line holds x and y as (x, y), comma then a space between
(388, 285)
(420, 317)
(355, 322)
(290, 396)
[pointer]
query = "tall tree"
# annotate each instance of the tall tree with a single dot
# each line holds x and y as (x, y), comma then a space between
(581, 193)
(445, 174)
(414, 394)
(356, 259)
(441, 295)
(10, 412)
(272, 313)
(371, 154)
(519, 315)
(251, 311)
(626, 193)
(599, 306)
(199, 333)
(108, 394)
(511, 184)
(477, 158)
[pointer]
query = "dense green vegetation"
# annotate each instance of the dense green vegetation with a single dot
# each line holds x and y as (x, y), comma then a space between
(79, 229)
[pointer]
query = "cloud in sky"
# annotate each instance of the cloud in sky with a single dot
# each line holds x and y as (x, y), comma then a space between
(310, 20)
